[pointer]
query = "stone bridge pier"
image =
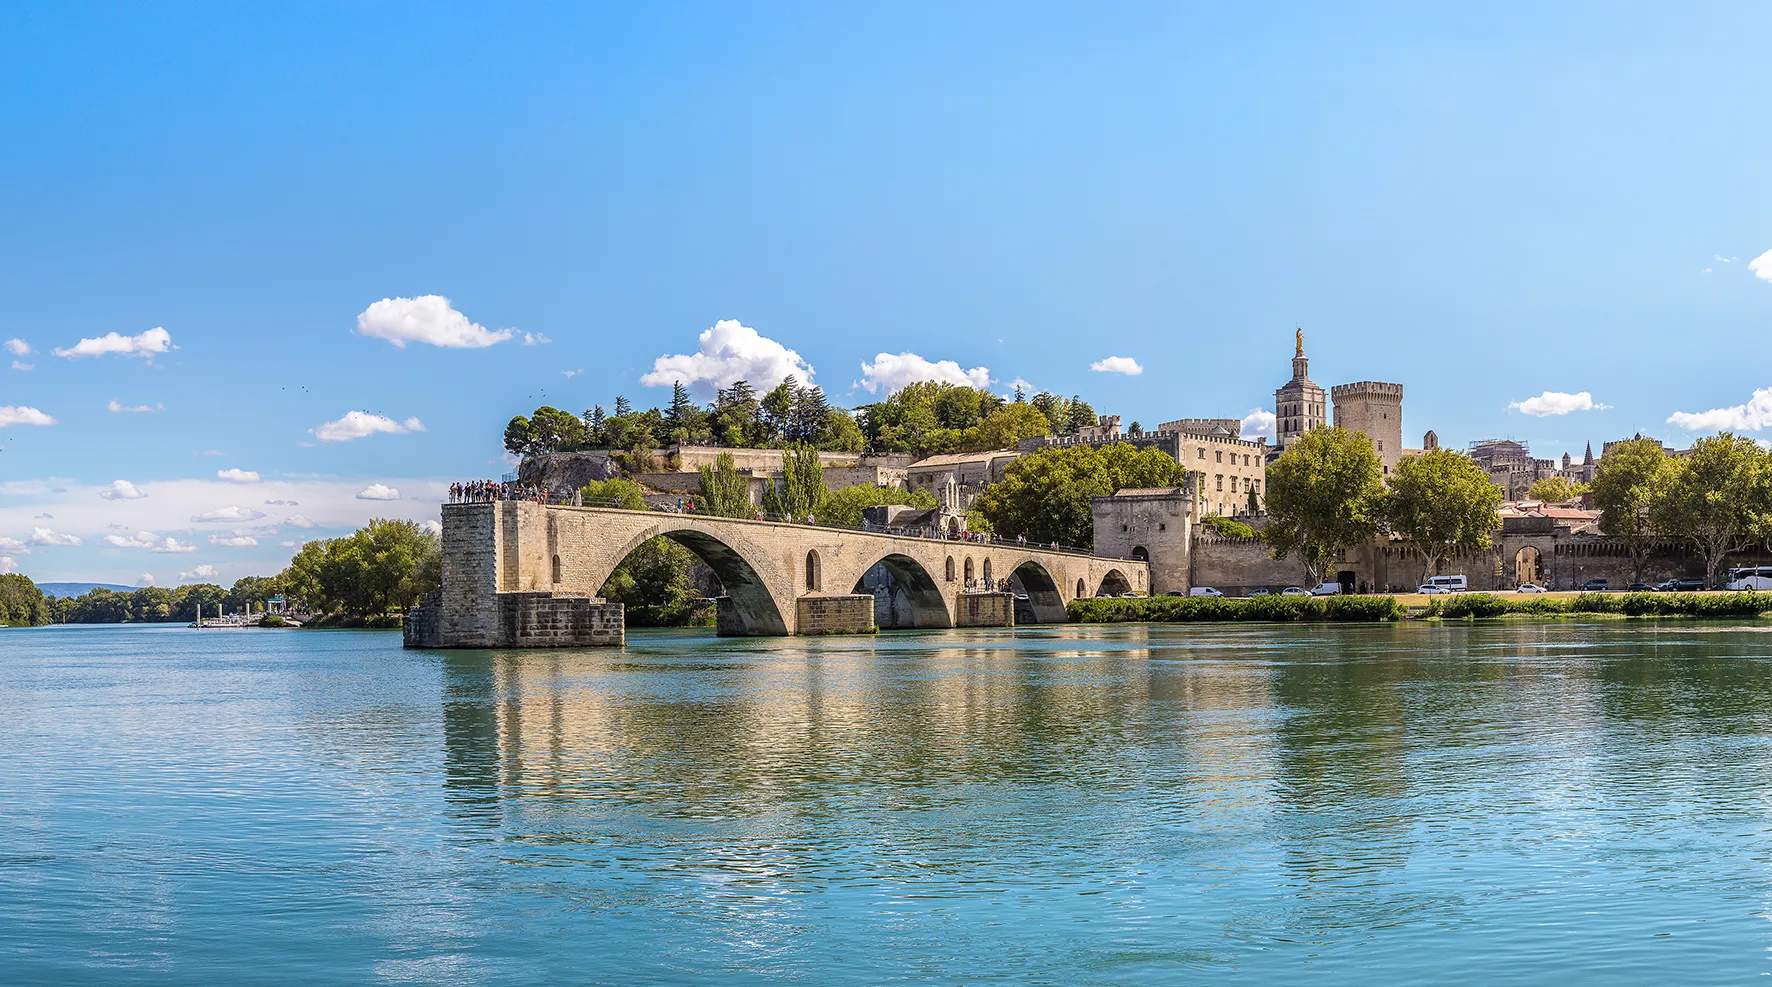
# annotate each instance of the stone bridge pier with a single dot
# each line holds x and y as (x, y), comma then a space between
(521, 574)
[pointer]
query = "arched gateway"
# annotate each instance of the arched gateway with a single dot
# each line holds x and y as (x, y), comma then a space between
(521, 574)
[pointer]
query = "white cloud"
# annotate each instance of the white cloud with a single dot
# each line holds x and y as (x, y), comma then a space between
(426, 319)
(14, 545)
(726, 354)
(145, 579)
(24, 414)
(44, 536)
(1750, 417)
(535, 339)
(297, 521)
(8, 564)
(430, 527)
(121, 490)
(357, 424)
(378, 491)
(1258, 423)
(148, 540)
(18, 347)
(145, 345)
(1557, 403)
(234, 541)
(201, 572)
(1762, 266)
(894, 372)
(116, 406)
(229, 514)
(237, 476)
(22, 365)
(1117, 365)
(572, 373)
(282, 503)
(289, 544)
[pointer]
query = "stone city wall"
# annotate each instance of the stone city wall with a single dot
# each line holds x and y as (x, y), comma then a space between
(836, 614)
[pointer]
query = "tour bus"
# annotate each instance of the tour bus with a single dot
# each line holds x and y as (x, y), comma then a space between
(1451, 584)
(1750, 578)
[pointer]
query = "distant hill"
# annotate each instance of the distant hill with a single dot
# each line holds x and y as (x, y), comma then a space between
(65, 590)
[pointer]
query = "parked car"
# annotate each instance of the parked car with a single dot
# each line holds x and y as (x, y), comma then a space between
(1259, 592)
(1326, 589)
(1681, 585)
(1641, 588)
(1175, 592)
(1530, 588)
(1203, 591)
(1431, 589)
(1594, 586)
(1295, 591)
(1134, 595)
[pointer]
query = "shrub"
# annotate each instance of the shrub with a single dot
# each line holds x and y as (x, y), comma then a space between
(272, 620)
(1229, 527)
(1200, 609)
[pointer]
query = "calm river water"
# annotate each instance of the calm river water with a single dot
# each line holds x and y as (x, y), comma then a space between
(1512, 803)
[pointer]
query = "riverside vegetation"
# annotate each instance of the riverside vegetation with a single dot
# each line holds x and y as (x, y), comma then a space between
(1187, 609)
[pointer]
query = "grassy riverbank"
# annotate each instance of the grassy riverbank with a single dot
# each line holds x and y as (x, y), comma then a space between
(1179, 609)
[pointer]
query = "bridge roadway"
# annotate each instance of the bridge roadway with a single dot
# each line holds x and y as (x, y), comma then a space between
(518, 573)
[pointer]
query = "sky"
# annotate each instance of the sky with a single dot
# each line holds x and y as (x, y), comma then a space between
(267, 273)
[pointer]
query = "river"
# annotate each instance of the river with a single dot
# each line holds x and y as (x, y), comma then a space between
(1522, 803)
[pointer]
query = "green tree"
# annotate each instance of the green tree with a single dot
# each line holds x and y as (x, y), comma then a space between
(778, 409)
(735, 421)
(1324, 493)
(1628, 476)
(1005, 427)
(1047, 496)
(724, 491)
(1079, 415)
(519, 436)
(596, 435)
(1555, 489)
(802, 487)
(843, 507)
(22, 603)
(555, 429)
(383, 567)
(613, 493)
(1443, 503)
(1717, 497)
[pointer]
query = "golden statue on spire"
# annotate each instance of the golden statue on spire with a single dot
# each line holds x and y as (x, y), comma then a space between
(1300, 342)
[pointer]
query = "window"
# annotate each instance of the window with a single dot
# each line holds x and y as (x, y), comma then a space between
(1233, 484)
(950, 569)
(812, 572)
(1220, 455)
(1202, 452)
(1380, 445)
(1221, 481)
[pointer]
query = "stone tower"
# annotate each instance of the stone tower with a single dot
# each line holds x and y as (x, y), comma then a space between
(1376, 409)
(1299, 405)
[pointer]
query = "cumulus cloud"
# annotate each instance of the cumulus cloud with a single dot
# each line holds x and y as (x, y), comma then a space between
(358, 424)
(430, 527)
(726, 354)
(23, 415)
(378, 491)
(1117, 365)
(893, 372)
(121, 490)
(234, 541)
(14, 545)
(152, 542)
(426, 319)
(1749, 417)
(237, 476)
(290, 544)
(8, 564)
(44, 536)
(1762, 266)
(535, 339)
(144, 345)
(297, 521)
(144, 580)
(229, 514)
(201, 572)
(22, 365)
(115, 406)
(18, 347)
(1258, 423)
(281, 503)
(1557, 403)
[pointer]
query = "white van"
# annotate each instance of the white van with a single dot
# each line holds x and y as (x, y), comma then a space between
(1203, 591)
(1450, 584)
(1750, 579)
(1326, 589)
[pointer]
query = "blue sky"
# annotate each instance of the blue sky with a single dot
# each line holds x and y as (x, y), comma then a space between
(1483, 204)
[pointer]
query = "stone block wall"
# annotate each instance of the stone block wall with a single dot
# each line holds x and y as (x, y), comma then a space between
(471, 548)
(985, 610)
(543, 620)
(836, 614)
(1148, 524)
(1235, 566)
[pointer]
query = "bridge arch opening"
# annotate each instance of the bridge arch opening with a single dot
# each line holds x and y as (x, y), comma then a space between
(1140, 553)
(812, 572)
(948, 574)
(1114, 583)
(905, 594)
(656, 586)
(1036, 595)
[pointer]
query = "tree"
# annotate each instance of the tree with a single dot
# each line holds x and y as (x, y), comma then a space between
(382, 567)
(807, 419)
(724, 491)
(596, 435)
(1078, 415)
(802, 487)
(1005, 427)
(622, 408)
(1047, 495)
(735, 412)
(1555, 489)
(555, 429)
(22, 604)
(1623, 487)
(778, 407)
(1716, 496)
(519, 436)
(843, 507)
(1443, 503)
(1324, 493)
(621, 493)
(653, 584)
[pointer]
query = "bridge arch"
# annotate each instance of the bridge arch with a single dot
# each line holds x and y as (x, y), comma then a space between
(911, 598)
(1032, 580)
(752, 608)
(1114, 583)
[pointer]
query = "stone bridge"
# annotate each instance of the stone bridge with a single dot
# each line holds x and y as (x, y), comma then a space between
(521, 574)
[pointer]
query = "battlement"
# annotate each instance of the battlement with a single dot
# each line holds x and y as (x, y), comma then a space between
(1367, 389)
(1202, 426)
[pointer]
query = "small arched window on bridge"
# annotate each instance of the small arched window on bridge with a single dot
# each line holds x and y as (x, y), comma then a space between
(987, 571)
(812, 571)
(950, 569)
(968, 570)
(1140, 554)
(556, 568)
(1079, 589)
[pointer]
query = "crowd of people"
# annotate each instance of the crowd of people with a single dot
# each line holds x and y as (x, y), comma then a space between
(487, 491)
